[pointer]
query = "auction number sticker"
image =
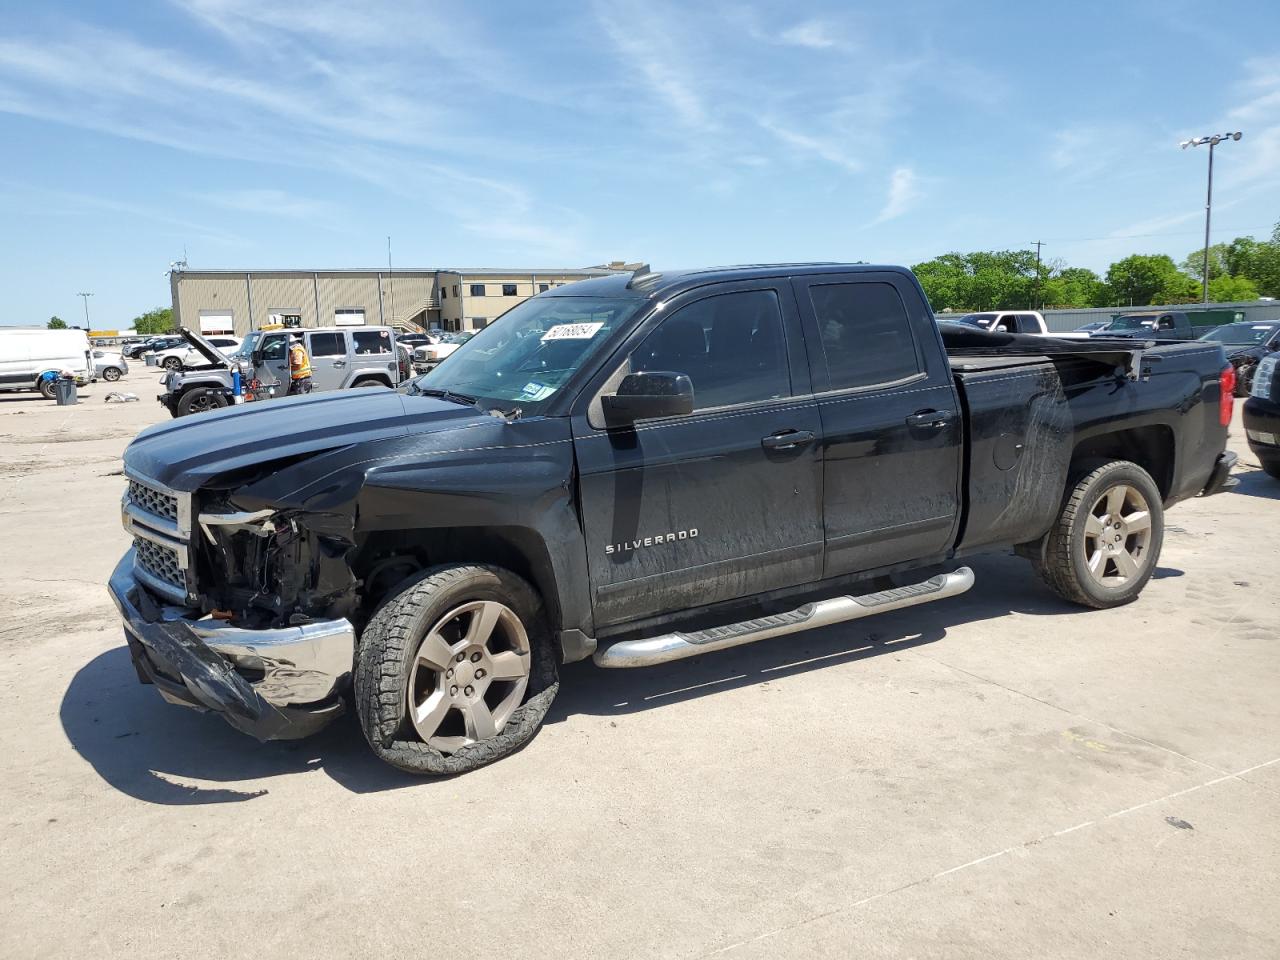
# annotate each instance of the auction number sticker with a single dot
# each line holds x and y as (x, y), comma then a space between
(572, 331)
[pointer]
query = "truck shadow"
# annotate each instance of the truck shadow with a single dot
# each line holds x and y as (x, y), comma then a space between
(170, 755)
(1004, 584)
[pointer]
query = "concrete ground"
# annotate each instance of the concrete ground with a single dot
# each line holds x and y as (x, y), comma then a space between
(999, 775)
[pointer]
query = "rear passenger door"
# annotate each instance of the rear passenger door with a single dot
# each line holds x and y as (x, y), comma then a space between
(372, 353)
(328, 352)
(891, 421)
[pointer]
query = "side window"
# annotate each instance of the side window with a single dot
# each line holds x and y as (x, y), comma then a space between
(372, 341)
(1027, 323)
(477, 289)
(273, 348)
(866, 336)
(1166, 323)
(731, 346)
(328, 345)
(508, 289)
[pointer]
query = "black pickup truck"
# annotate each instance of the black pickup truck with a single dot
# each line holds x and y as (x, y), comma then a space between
(639, 468)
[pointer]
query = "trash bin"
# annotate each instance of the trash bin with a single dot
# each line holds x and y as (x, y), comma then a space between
(65, 392)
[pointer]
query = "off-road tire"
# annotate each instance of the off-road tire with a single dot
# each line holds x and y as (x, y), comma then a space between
(46, 388)
(390, 642)
(191, 401)
(370, 382)
(1060, 561)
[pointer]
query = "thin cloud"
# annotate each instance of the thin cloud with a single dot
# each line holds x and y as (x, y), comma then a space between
(904, 192)
(814, 34)
(654, 57)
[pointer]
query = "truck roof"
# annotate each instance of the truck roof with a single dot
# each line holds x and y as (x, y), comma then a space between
(661, 284)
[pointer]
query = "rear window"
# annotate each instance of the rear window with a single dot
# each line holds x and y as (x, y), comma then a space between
(866, 335)
(372, 341)
(328, 345)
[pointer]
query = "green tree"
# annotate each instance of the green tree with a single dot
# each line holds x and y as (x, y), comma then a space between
(153, 322)
(1179, 288)
(1231, 289)
(57, 323)
(1138, 278)
(1073, 287)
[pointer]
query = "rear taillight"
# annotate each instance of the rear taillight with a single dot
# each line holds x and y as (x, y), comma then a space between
(1226, 394)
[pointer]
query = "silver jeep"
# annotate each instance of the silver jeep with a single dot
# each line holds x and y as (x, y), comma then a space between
(341, 357)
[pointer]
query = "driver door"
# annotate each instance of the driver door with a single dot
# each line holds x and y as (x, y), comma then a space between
(723, 503)
(273, 369)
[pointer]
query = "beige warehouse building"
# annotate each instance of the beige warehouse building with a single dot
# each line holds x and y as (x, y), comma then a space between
(233, 302)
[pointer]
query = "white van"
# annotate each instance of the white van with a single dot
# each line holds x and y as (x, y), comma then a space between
(27, 353)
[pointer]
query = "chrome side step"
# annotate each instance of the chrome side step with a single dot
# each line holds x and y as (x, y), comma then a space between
(678, 645)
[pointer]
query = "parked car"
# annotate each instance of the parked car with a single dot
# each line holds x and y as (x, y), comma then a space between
(182, 354)
(1162, 325)
(341, 357)
(136, 351)
(426, 358)
(637, 469)
(29, 354)
(1246, 344)
(1097, 326)
(1007, 321)
(1262, 415)
(109, 365)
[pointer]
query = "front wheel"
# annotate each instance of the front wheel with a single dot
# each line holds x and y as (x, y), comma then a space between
(1104, 546)
(455, 671)
(172, 363)
(200, 400)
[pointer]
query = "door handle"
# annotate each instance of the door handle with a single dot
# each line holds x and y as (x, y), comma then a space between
(339, 363)
(931, 419)
(787, 440)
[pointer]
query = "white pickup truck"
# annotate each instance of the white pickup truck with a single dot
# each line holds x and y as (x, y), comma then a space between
(1008, 321)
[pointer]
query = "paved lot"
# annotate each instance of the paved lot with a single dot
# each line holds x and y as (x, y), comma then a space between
(998, 775)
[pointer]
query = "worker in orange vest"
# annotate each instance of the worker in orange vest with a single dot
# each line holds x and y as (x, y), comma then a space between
(299, 367)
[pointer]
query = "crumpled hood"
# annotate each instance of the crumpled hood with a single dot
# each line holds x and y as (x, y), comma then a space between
(187, 452)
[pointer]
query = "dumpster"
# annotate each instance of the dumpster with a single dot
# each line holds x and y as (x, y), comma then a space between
(64, 390)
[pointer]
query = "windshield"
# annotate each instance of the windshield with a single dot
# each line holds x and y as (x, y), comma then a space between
(246, 346)
(522, 359)
(1133, 322)
(1242, 333)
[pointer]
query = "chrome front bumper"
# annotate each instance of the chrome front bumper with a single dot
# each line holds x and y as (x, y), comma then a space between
(276, 684)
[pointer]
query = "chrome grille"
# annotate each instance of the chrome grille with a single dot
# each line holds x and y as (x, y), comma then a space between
(153, 501)
(160, 561)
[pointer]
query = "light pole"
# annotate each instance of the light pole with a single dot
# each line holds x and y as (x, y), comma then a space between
(1212, 140)
(86, 309)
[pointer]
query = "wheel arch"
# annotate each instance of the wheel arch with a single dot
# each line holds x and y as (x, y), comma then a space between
(385, 558)
(1152, 447)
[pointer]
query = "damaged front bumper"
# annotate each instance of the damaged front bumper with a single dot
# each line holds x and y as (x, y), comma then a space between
(277, 684)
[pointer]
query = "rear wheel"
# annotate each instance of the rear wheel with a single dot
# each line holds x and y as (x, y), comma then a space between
(455, 671)
(200, 400)
(371, 382)
(1105, 544)
(111, 374)
(45, 386)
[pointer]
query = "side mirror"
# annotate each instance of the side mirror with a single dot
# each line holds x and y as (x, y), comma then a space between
(646, 396)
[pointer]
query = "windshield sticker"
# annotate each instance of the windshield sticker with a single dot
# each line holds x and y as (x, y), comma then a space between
(572, 331)
(1263, 327)
(533, 390)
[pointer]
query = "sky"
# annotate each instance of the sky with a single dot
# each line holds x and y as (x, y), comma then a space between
(258, 134)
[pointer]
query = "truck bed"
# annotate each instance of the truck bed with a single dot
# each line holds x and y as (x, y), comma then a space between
(1030, 401)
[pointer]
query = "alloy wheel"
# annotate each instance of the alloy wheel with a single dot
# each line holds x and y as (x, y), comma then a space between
(469, 675)
(1117, 536)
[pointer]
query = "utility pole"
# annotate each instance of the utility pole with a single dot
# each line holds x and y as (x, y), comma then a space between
(1212, 140)
(1035, 299)
(391, 279)
(86, 309)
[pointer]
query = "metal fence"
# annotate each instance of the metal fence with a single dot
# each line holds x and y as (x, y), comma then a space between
(1062, 321)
